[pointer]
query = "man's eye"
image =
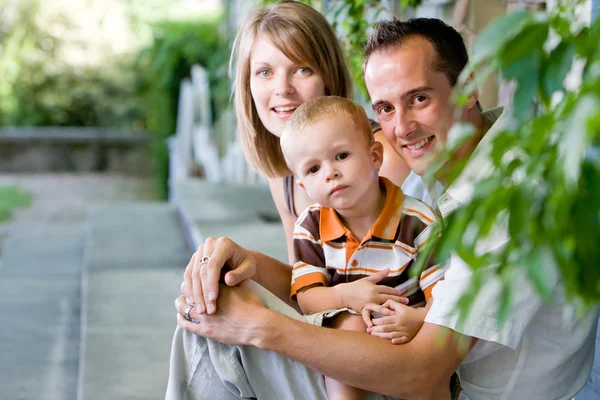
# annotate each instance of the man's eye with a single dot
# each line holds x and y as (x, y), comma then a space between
(385, 110)
(314, 169)
(419, 99)
(342, 156)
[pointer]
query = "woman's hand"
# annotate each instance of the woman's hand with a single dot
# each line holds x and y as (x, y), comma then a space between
(355, 295)
(202, 274)
(397, 322)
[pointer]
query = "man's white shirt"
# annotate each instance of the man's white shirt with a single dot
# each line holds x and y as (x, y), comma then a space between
(542, 351)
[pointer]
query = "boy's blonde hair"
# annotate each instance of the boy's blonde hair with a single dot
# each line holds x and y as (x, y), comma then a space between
(304, 36)
(326, 107)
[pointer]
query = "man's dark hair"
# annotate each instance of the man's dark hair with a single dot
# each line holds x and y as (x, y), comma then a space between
(451, 53)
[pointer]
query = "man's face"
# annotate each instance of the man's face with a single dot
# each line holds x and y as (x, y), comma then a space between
(411, 100)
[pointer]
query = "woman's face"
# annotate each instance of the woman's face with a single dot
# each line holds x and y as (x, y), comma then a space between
(278, 85)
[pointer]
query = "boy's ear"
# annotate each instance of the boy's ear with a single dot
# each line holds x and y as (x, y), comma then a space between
(377, 154)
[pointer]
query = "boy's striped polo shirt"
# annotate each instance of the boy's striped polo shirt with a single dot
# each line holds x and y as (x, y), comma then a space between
(327, 253)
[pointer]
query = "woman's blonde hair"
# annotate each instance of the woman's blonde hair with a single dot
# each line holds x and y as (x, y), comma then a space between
(304, 36)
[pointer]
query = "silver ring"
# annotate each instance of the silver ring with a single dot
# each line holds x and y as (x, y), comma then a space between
(204, 259)
(186, 313)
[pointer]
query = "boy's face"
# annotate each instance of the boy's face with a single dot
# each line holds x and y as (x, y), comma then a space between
(334, 162)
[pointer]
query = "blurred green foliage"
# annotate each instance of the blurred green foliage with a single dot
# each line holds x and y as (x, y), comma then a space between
(175, 48)
(49, 79)
(40, 88)
(545, 188)
(11, 198)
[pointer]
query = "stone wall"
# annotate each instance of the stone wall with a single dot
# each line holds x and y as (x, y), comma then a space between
(74, 150)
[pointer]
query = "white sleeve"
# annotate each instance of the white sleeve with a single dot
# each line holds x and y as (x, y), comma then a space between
(482, 321)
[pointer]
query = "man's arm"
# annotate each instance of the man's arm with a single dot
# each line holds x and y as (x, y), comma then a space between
(414, 370)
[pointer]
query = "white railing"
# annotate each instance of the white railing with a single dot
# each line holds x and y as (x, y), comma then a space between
(194, 144)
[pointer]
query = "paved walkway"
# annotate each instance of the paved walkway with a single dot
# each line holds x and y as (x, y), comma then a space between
(43, 249)
(90, 273)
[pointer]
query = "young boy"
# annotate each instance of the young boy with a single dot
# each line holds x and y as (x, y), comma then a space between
(355, 248)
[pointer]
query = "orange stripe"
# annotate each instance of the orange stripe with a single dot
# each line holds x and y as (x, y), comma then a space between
(429, 288)
(425, 217)
(409, 289)
(335, 245)
(307, 280)
(300, 234)
(403, 247)
(419, 247)
(370, 271)
(378, 246)
(300, 266)
(432, 270)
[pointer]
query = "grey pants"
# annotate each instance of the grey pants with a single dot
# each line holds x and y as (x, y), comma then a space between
(203, 369)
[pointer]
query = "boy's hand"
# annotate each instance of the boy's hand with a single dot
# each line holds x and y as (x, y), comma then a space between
(355, 295)
(397, 322)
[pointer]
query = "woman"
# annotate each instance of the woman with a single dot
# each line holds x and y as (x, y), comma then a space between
(286, 54)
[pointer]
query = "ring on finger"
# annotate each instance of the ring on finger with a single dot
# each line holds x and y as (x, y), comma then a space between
(204, 260)
(186, 312)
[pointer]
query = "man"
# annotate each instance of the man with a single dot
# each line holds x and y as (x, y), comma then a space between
(537, 353)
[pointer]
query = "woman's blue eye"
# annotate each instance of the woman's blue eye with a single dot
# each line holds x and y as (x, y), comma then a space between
(304, 70)
(263, 73)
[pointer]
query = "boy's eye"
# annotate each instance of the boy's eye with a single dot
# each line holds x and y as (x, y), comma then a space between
(342, 156)
(314, 169)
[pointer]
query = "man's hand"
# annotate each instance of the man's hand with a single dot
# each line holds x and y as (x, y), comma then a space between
(355, 295)
(397, 322)
(201, 278)
(240, 310)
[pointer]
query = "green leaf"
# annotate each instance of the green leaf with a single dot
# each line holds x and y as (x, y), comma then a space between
(539, 264)
(577, 136)
(529, 40)
(519, 209)
(556, 67)
(527, 85)
(497, 33)
(505, 307)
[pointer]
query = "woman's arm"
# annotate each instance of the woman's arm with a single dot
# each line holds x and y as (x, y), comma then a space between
(274, 276)
(287, 219)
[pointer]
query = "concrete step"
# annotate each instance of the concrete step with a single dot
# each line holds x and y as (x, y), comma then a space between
(245, 213)
(40, 309)
(135, 258)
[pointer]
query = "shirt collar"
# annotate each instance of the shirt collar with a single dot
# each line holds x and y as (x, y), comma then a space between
(331, 227)
(479, 165)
